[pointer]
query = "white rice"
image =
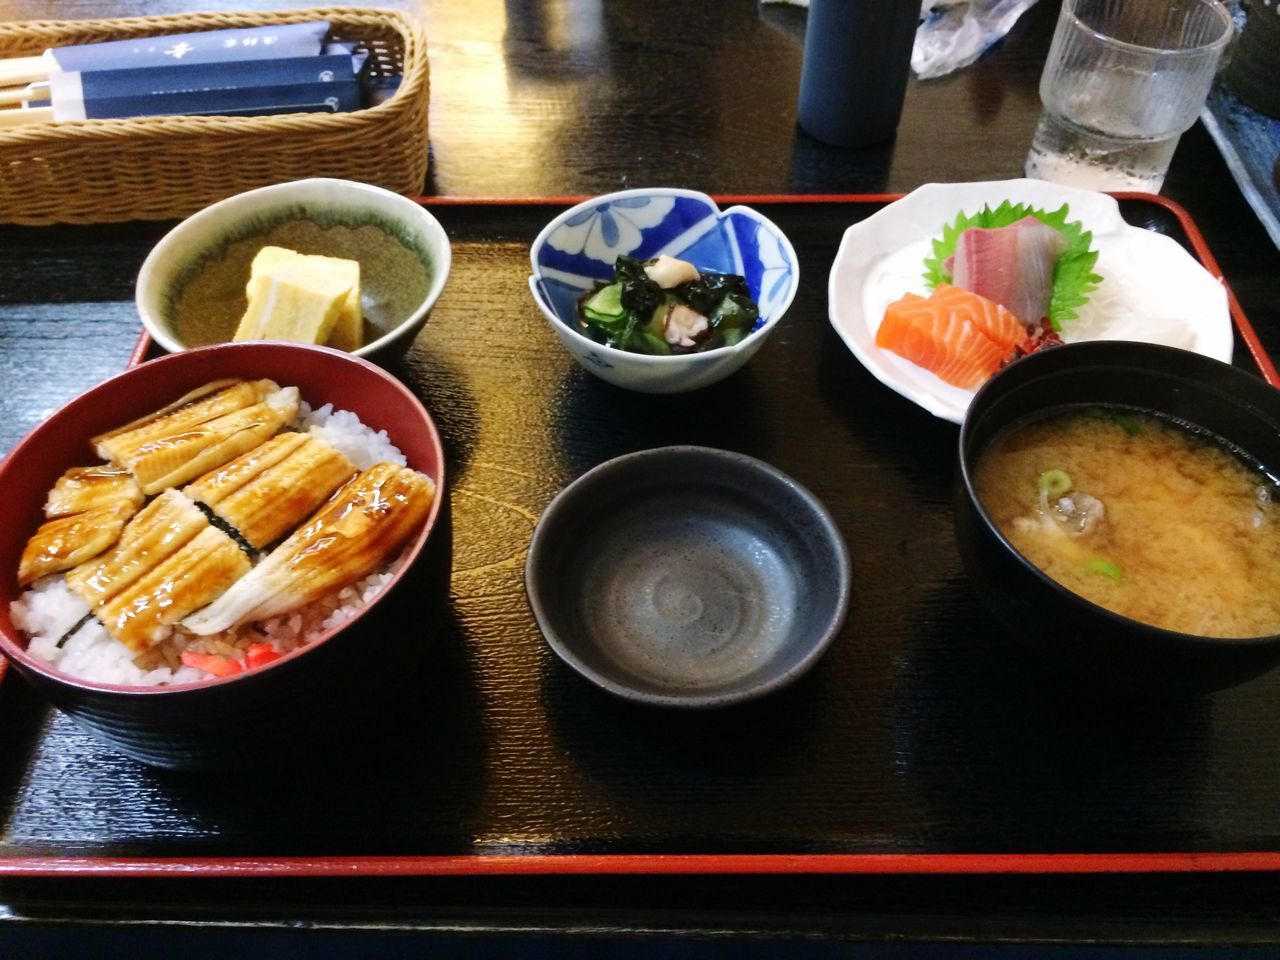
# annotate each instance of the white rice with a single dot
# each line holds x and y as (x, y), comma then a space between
(48, 608)
(342, 429)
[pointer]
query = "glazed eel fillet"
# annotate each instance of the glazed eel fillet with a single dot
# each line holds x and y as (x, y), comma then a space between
(348, 538)
(88, 507)
(199, 431)
(187, 556)
(175, 557)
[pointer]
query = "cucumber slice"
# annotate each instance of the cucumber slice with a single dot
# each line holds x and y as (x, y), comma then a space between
(657, 324)
(647, 342)
(605, 306)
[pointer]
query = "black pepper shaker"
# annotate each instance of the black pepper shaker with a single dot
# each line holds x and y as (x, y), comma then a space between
(857, 55)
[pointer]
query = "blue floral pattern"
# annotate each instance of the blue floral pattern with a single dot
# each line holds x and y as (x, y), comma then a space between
(580, 248)
(611, 229)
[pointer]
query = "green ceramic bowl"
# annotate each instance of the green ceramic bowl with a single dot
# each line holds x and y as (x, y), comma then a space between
(190, 290)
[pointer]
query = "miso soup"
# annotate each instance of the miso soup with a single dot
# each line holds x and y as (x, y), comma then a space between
(1147, 517)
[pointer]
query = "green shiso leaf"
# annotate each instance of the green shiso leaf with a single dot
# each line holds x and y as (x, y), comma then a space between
(1073, 276)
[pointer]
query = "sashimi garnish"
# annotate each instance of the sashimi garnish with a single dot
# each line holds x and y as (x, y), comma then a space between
(1042, 337)
(1073, 276)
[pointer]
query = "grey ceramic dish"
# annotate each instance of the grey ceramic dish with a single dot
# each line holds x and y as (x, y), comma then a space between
(688, 577)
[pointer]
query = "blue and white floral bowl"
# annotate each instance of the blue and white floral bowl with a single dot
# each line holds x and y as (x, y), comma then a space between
(579, 248)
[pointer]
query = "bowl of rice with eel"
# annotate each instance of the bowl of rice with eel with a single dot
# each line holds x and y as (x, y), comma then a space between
(216, 546)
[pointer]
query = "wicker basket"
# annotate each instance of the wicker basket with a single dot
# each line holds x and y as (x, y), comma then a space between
(159, 168)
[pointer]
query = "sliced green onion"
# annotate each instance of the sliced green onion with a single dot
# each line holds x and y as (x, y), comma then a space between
(1054, 482)
(1129, 424)
(1105, 567)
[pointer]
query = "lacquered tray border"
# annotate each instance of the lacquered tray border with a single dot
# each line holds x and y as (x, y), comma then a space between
(689, 864)
(643, 865)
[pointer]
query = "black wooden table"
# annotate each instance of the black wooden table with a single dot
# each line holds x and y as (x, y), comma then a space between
(923, 732)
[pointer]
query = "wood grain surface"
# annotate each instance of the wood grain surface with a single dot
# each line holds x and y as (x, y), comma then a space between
(922, 731)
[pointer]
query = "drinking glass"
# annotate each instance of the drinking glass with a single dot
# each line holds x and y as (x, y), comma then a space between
(1123, 80)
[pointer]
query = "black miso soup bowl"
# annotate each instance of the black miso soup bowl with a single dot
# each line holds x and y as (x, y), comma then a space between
(1074, 636)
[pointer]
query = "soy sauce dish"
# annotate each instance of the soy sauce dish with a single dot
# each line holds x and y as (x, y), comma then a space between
(1146, 478)
(688, 577)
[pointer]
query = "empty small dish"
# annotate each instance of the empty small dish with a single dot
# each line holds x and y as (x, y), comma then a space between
(687, 576)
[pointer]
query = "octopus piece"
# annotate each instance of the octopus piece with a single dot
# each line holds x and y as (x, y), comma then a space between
(684, 326)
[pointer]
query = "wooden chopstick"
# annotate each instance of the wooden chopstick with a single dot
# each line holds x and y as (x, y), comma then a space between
(17, 96)
(19, 70)
(18, 118)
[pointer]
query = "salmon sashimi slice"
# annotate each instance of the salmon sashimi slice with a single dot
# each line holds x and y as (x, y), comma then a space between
(997, 323)
(958, 336)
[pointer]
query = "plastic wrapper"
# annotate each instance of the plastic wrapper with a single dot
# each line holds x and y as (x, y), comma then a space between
(955, 33)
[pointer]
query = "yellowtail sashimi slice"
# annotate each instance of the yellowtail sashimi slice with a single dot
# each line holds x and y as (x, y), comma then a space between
(66, 542)
(273, 500)
(175, 458)
(348, 538)
(203, 569)
(213, 400)
(90, 488)
(159, 531)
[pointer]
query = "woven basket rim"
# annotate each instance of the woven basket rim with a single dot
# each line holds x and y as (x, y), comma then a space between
(214, 20)
(412, 83)
(167, 167)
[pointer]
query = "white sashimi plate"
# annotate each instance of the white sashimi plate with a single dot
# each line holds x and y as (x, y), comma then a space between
(1152, 289)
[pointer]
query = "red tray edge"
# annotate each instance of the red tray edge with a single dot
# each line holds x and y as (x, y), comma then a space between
(642, 864)
(689, 864)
